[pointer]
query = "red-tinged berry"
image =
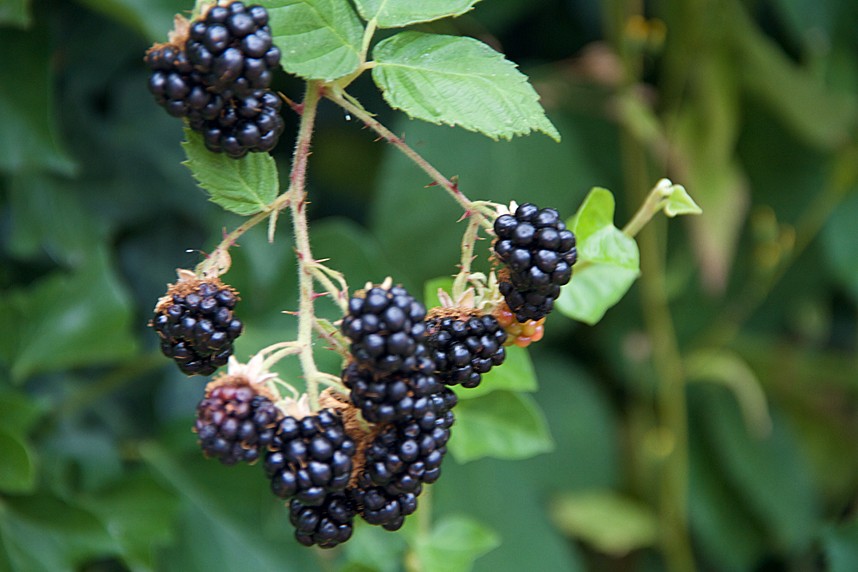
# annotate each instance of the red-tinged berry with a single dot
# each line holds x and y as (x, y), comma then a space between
(538, 252)
(236, 420)
(310, 457)
(196, 324)
(464, 344)
(520, 334)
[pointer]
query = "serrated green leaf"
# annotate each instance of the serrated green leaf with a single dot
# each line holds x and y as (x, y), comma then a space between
(611, 523)
(318, 39)
(458, 81)
(608, 261)
(244, 186)
(679, 202)
(501, 424)
(84, 317)
(18, 473)
(454, 544)
(29, 138)
(401, 13)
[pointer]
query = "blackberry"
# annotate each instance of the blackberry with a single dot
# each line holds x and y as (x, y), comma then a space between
(326, 525)
(177, 88)
(387, 330)
(464, 346)
(247, 124)
(538, 252)
(391, 398)
(381, 508)
(403, 457)
(231, 47)
(235, 421)
(196, 324)
(310, 458)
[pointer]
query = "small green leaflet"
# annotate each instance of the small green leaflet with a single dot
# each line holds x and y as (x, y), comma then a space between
(400, 13)
(244, 186)
(608, 261)
(679, 202)
(453, 544)
(318, 39)
(458, 81)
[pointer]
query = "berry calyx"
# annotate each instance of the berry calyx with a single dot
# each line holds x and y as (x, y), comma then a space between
(196, 324)
(538, 252)
(236, 420)
(464, 344)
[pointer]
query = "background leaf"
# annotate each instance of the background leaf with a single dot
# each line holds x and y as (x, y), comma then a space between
(244, 186)
(458, 81)
(454, 543)
(400, 13)
(19, 473)
(318, 39)
(501, 424)
(608, 261)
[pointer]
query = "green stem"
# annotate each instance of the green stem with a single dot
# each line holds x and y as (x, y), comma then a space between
(651, 206)
(298, 207)
(471, 209)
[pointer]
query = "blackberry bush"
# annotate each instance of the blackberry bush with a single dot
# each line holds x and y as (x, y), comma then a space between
(464, 345)
(387, 330)
(235, 421)
(231, 47)
(538, 252)
(196, 324)
(310, 458)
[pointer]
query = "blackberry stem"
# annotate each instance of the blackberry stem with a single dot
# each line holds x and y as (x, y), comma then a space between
(469, 240)
(654, 202)
(478, 210)
(306, 262)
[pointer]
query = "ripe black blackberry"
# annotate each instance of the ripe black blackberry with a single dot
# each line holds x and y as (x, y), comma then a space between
(310, 458)
(177, 87)
(235, 421)
(381, 508)
(464, 345)
(327, 524)
(392, 398)
(196, 324)
(247, 124)
(387, 331)
(231, 47)
(538, 252)
(404, 456)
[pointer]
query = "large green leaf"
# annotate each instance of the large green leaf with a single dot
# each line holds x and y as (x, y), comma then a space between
(453, 545)
(458, 81)
(79, 319)
(319, 39)
(244, 186)
(501, 424)
(399, 13)
(18, 474)
(609, 261)
(610, 522)
(46, 534)
(29, 138)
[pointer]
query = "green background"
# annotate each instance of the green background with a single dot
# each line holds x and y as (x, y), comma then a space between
(751, 105)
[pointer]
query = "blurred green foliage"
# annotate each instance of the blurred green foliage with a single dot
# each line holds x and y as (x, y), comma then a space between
(752, 105)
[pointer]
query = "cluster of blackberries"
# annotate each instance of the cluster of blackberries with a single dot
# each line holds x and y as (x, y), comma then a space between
(196, 325)
(392, 381)
(465, 346)
(218, 77)
(538, 252)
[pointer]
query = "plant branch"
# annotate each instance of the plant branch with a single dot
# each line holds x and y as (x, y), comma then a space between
(298, 207)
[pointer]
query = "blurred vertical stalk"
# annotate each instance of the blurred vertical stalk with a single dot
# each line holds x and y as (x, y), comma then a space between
(670, 398)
